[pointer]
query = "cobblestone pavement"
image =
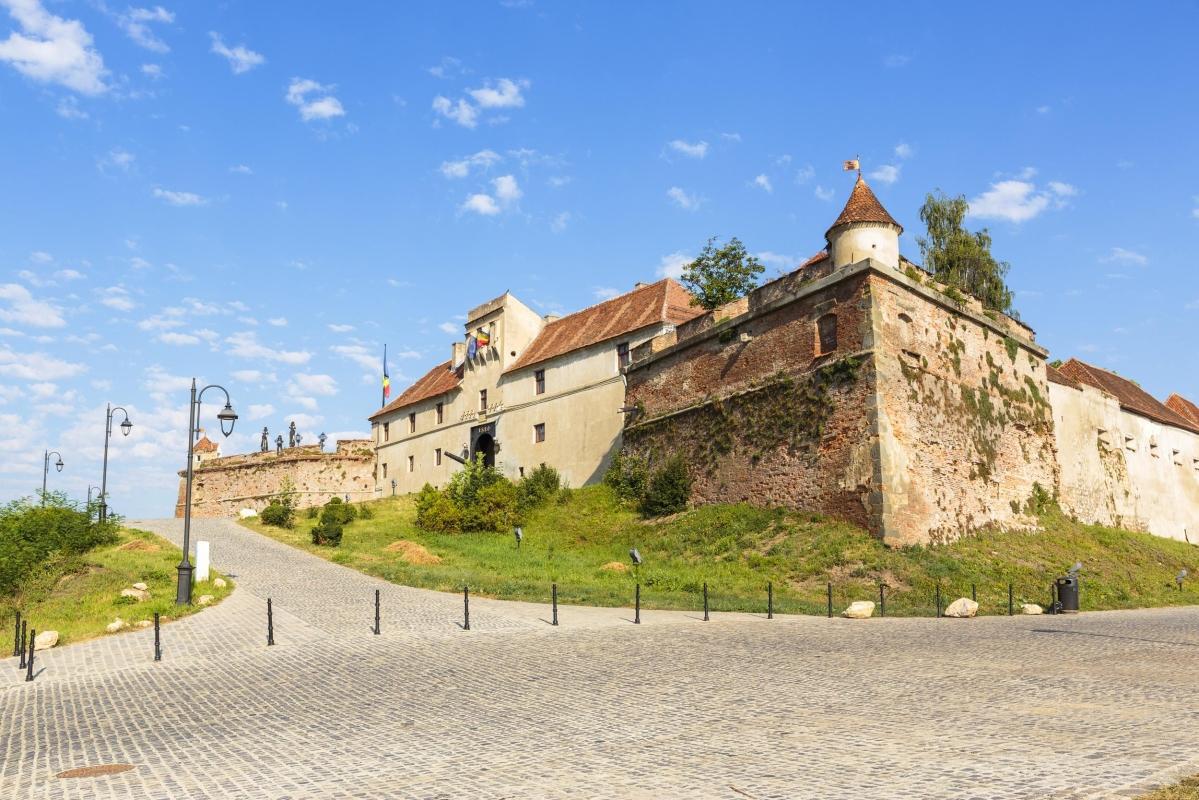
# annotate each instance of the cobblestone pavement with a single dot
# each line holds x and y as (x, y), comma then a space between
(1097, 705)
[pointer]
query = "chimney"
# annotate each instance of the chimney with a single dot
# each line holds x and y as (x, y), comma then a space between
(457, 354)
(639, 285)
(552, 318)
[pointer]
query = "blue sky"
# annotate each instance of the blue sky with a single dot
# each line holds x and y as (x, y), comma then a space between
(262, 195)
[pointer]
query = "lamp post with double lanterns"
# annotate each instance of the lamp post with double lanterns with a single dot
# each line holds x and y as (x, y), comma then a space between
(183, 591)
(58, 465)
(126, 426)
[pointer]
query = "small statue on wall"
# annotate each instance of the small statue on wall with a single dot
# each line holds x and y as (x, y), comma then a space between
(322, 439)
(291, 434)
(299, 438)
(266, 440)
(279, 445)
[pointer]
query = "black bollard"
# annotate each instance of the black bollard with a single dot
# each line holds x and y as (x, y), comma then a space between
(376, 612)
(157, 639)
(637, 607)
(882, 602)
(24, 630)
(270, 623)
(17, 644)
(1053, 598)
(705, 601)
(973, 593)
(938, 601)
(466, 608)
(555, 600)
(29, 665)
(1009, 600)
(769, 600)
(830, 600)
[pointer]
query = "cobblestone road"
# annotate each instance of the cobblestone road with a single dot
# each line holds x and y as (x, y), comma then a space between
(1099, 705)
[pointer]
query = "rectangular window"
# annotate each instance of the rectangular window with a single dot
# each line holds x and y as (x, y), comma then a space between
(539, 381)
(387, 431)
(412, 422)
(826, 329)
(623, 358)
(384, 470)
(411, 463)
(522, 472)
(440, 413)
(539, 432)
(437, 457)
(482, 399)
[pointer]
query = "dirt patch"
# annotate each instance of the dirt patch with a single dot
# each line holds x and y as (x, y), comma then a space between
(839, 573)
(615, 566)
(412, 552)
(95, 772)
(140, 545)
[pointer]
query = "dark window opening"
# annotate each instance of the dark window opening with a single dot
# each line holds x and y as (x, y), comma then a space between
(539, 380)
(826, 328)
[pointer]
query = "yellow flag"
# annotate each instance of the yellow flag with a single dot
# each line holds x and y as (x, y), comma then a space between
(852, 164)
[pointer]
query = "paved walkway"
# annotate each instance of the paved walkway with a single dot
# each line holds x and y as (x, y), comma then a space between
(1098, 705)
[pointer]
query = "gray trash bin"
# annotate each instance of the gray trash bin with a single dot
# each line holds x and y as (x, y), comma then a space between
(1067, 593)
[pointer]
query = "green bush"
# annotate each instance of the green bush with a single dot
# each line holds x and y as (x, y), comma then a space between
(327, 533)
(438, 513)
(478, 498)
(496, 508)
(313, 512)
(365, 512)
(335, 515)
(32, 534)
(277, 514)
(628, 475)
(669, 489)
(538, 487)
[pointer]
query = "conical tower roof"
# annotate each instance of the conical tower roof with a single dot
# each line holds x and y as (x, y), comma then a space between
(863, 206)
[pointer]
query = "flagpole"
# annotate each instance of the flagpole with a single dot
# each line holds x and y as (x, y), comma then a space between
(383, 390)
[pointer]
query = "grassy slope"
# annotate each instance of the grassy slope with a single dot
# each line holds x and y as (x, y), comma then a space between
(737, 549)
(1187, 789)
(79, 603)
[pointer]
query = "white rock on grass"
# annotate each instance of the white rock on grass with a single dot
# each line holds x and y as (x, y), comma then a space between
(145, 623)
(204, 600)
(142, 586)
(1031, 608)
(45, 640)
(140, 595)
(116, 625)
(859, 609)
(219, 583)
(962, 607)
(247, 513)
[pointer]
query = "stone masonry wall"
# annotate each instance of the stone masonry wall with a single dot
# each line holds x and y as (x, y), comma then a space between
(765, 419)
(223, 486)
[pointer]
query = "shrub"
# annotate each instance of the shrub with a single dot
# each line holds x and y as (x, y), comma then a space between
(313, 511)
(32, 534)
(496, 508)
(669, 489)
(335, 515)
(365, 512)
(478, 498)
(466, 484)
(628, 476)
(277, 514)
(327, 533)
(437, 513)
(538, 487)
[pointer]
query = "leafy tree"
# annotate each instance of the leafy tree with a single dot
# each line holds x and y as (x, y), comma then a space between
(959, 258)
(668, 490)
(719, 276)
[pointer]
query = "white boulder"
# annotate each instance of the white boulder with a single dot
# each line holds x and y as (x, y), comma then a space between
(247, 513)
(204, 600)
(1031, 608)
(859, 609)
(140, 595)
(145, 623)
(45, 640)
(961, 608)
(116, 625)
(140, 585)
(219, 583)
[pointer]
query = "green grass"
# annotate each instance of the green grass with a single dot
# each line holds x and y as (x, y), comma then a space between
(1186, 789)
(736, 549)
(78, 597)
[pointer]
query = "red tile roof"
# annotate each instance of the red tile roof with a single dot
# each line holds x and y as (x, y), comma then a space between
(1055, 376)
(863, 206)
(1183, 408)
(205, 445)
(439, 380)
(1130, 396)
(663, 302)
(814, 260)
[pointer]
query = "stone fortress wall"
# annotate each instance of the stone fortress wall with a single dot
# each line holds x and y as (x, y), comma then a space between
(222, 487)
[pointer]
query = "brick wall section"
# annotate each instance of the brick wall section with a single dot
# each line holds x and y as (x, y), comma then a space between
(706, 398)
(223, 486)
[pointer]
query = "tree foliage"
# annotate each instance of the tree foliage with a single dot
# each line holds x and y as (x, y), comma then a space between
(959, 258)
(721, 275)
(479, 498)
(33, 534)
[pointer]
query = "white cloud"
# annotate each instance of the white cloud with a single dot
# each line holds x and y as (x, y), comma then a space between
(1062, 189)
(461, 168)
(560, 221)
(36, 366)
(252, 376)
(43, 389)
(116, 157)
(116, 297)
(903, 150)
(731, 137)
(69, 275)
(763, 182)
(1019, 200)
(507, 192)
(241, 169)
(172, 337)
(804, 174)
(450, 327)
(824, 194)
(136, 24)
(671, 266)
(887, 173)
(776, 260)
(314, 100)
(40, 257)
(503, 93)
(259, 411)
(605, 292)
(51, 49)
(179, 198)
(22, 309)
(506, 189)
(896, 60)
(68, 108)
(448, 67)
(310, 384)
(245, 344)
(1043, 109)
(682, 199)
(337, 328)
(481, 204)
(241, 58)
(461, 112)
(151, 71)
(691, 150)
(1119, 255)
(278, 322)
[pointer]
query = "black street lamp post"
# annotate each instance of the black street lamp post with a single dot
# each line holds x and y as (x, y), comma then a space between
(183, 591)
(126, 426)
(58, 465)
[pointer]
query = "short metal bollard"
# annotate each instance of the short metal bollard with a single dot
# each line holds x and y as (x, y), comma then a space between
(1010, 608)
(830, 600)
(270, 623)
(466, 608)
(554, 595)
(637, 606)
(24, 631)
(769, 600)
(706, 618)
(17, 644)
(938, 601)
(376, 612)
(882, 602)
(29, 666)
(973, 593)
(157, 639)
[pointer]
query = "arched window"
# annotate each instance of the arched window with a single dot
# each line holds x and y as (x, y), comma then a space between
(826, 334)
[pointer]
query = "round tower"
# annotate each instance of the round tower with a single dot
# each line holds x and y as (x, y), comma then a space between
(864, 230)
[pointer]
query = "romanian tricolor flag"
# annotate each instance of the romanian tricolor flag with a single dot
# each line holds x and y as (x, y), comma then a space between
(484, 338)
(386, 378)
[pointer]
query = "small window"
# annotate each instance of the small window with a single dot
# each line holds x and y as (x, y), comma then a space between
(522, 471)
(440, 413)
(482, 399)
(437, 457)
(539, 432)
(385, 470)
(539, 381)
(1130, 443)
(412, 422)
(905, 318)
(1176, 457)
(1153, 449)
(411, 463)
(623, 358)
(1195, 464)
(387, 431)
(826, 330)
